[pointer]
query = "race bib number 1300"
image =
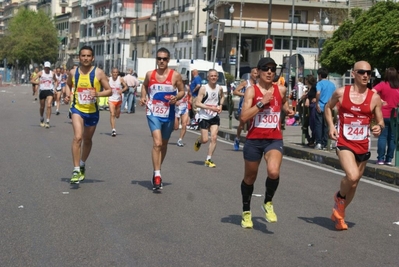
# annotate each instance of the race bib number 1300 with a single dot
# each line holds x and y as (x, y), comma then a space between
(267, 119)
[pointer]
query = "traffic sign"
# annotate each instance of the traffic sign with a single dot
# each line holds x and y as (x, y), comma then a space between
(269, 45)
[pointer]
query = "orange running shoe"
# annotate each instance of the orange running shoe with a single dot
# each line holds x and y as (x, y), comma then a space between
(339, 223)
(338, 214)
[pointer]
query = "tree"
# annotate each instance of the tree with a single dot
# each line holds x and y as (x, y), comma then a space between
(31, 36)
(370, 36)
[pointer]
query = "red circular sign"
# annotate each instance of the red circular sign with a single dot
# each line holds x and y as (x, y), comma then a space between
(269, 45)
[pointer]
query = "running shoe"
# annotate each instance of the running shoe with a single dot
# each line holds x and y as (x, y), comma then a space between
(197, 145)
(270, 216)
(75, 177)
(157, 183)
(47, 125)
(42, 124)
(339, 207)
(339, 223)
(380, 162)
(180, 143)
(388, 163)
(82, 173)
(246, 221)
(57, 113)
(113, 133)
(209, 163)
(236, 144)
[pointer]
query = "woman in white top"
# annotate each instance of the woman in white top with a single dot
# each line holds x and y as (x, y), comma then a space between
(118, 86)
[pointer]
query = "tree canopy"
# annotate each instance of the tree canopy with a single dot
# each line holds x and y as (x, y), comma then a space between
(31, 36)
(369, 35)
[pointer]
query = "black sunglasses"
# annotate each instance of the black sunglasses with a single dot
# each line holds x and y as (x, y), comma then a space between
(362, 72)
(266, 68)
(162, 58)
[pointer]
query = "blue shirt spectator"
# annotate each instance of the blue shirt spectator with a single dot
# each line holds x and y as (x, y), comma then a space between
(326, 89)
(195, 83)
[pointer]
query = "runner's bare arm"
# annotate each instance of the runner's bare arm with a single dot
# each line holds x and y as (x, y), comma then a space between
(180, 87)
(248, 111)
(36, 80)
(376, 105)
(283, 92)
(124, 85)
(104, 83)
(335, 98)
(144, 86)
(221, 99)
(237, 91)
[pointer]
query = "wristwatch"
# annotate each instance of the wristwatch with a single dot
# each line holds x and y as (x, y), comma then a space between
(259, 105)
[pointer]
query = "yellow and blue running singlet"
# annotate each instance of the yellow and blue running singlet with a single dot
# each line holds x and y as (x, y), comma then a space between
(83, 84)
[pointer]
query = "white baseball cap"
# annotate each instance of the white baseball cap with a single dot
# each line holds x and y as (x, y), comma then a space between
(47, 64)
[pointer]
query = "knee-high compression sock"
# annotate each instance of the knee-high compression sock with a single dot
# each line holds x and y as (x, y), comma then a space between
(246, 192)
(271, 187)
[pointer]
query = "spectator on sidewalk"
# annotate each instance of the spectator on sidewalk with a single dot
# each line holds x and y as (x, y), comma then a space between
(129, 96)
(196, 83)
(310, 105)
(389, 93)
(325, 89)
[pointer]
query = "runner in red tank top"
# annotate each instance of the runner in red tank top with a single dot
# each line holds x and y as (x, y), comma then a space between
(262, 106)
(357, 105)
(161, 89)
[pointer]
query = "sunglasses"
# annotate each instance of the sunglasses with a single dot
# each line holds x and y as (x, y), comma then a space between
(362, 72)
(162, 58)
(272, 69)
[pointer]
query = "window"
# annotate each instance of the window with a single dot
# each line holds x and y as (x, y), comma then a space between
(300, 16)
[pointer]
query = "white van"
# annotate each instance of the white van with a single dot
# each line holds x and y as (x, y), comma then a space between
(185, 66)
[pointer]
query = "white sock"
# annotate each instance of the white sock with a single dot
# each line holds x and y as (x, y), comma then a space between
(77, 169)
(157, 173)
(208, 157)
(47, 120)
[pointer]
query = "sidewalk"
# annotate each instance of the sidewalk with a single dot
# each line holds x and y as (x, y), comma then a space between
(293, 147)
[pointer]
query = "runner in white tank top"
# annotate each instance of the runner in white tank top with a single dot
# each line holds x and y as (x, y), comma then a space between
(118, 86)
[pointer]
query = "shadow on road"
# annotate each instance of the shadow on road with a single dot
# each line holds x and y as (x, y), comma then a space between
(259, 222)
(147, 184)
(196, 162)
(324, 222)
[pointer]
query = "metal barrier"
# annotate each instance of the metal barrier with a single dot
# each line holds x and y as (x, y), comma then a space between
(395, 129)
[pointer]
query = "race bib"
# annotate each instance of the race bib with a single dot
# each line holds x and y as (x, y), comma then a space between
(84, 96)
(267, 119)
(160, 109)
(209, 112)
(356, 132)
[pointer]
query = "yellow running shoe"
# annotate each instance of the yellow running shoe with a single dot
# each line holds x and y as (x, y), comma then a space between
(197, 145)
(246, 221)
(271, 217)
(209, 163)
(75, 177)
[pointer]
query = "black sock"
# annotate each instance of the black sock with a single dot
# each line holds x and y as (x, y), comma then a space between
(271, 187)
(339, 195)
(246, 192)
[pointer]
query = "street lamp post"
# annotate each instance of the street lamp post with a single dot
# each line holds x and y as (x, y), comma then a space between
(105, 38)
(291, 46)
(269, 24)
(87, 29)
(239, 45)
(123, 43)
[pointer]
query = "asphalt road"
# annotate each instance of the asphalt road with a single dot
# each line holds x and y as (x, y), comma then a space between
(114, 219)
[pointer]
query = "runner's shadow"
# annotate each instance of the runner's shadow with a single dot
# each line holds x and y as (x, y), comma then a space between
(259, 222)
(324, 222)
(196, 162)
(147, 184)
(86, 181)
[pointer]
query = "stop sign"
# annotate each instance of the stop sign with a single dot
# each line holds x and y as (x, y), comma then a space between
(269, 45)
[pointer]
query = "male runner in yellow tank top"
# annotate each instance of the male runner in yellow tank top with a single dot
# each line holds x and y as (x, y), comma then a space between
(87, 81)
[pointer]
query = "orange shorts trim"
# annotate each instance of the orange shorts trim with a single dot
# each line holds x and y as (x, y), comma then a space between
(115, 103)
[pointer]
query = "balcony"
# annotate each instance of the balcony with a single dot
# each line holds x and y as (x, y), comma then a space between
(282, 28)
(64, 3)
(174, 13)
(151, 40)
(188, 35)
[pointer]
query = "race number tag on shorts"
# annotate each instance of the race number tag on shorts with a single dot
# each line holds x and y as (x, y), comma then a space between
(84, 96)
(267, 119)
(160, 109)
(355, 130)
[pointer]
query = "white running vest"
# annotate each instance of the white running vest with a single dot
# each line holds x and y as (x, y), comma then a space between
(212, 99)
(46, 81)
(116, 89)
